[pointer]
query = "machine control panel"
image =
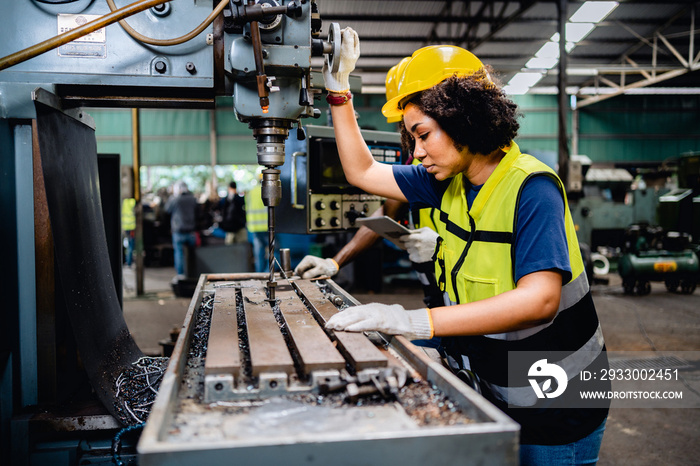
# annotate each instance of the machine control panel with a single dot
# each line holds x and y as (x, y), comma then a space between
(318, 198)
(331, 212)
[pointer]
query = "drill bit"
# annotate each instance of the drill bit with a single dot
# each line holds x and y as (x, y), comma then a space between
(271, 195)
(271, 284)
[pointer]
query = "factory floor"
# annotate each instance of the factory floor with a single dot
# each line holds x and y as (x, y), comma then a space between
(643, 326)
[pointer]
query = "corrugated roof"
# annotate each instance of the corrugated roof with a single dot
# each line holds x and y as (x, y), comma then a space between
(506, 34)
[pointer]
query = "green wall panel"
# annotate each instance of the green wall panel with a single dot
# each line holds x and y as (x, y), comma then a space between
(528, 144)
(532, 101)
(624, 128)
(177, 151)
(123, 148)
(174, 122)
(649, 128)
(237, 149)
(112, 122)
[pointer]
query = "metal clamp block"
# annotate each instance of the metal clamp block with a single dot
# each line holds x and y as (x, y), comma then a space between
(218, 387)
(327, 377)
(272, 383)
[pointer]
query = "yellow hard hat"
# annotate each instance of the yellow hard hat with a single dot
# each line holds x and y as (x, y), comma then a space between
(396, 73)
(393, 76)
(392, 83)
(429, 66)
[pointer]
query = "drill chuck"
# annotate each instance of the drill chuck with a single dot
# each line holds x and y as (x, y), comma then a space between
(271, 187)
(270, 135)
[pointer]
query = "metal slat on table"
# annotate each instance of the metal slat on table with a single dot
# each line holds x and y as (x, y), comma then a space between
(315, 349)
(268, 350)
(223, 352)
(361, 352)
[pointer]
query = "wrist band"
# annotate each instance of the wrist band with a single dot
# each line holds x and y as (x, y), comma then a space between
(335, 99)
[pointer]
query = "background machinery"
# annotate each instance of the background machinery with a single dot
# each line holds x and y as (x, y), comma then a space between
(667, 252)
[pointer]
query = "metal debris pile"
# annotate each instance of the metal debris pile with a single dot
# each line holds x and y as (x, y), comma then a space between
(200, 334)
(428, 406)
(136, 389)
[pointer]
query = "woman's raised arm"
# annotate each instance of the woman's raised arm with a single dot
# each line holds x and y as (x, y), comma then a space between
(360, 168)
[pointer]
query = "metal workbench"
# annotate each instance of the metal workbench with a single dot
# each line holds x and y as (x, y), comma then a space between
(263, 407)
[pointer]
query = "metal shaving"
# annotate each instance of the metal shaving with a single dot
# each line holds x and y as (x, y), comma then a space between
(136, 389)
(200, 334)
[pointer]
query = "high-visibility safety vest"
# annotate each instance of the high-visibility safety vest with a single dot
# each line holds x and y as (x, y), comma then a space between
(475, 261)
(256, 212)
(128, 215)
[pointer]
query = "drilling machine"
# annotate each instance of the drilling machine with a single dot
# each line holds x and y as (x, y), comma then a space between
(259, 52)
(270, 58)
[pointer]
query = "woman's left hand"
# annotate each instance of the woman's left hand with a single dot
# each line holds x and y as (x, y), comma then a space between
(390, 319)
(420, 244)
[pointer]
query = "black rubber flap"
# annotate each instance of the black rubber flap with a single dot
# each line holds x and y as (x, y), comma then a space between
(69, 161)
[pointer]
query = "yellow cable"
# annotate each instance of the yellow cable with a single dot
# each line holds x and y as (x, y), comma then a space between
(85, 29)
(178, 40)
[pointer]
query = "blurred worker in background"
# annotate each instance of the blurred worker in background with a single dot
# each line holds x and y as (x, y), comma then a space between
(257, 226)
(233, 216)
(128, 226)
(182, 207)
(508, 258)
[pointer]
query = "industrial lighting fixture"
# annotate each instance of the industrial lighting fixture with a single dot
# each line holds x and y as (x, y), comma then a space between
(580, 24)
(550, 49)
(577, 31)
(522, 82)
(542, 63)
(593, 12)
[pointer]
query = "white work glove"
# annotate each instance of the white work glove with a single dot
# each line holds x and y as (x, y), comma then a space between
(420, 244)
(391, 319)
(312, 266)
(349, 53)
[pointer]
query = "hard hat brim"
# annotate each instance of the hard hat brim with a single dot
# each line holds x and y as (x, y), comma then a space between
(391, 108)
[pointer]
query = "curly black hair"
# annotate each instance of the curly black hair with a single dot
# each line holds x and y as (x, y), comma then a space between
(473, 111)
(408, 144)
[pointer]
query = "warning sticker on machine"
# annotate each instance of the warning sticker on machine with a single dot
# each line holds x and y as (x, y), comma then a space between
(90, 46)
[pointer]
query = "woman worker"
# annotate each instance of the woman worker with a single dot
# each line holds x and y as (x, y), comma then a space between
(507, 257)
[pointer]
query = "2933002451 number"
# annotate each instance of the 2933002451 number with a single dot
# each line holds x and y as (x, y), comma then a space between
(639, 374)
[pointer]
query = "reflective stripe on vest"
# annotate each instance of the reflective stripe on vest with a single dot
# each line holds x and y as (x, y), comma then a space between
(573, 365)
(476, 261)
(256, 212)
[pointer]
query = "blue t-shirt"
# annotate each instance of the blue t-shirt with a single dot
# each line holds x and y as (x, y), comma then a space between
(540, 236)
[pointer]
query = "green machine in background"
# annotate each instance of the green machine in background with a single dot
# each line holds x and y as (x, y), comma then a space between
(668, 252)
(654, 255)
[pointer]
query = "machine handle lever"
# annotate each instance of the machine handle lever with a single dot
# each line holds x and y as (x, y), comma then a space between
(293, 181)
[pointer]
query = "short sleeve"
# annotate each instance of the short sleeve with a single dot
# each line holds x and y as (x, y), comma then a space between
(540, 235)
